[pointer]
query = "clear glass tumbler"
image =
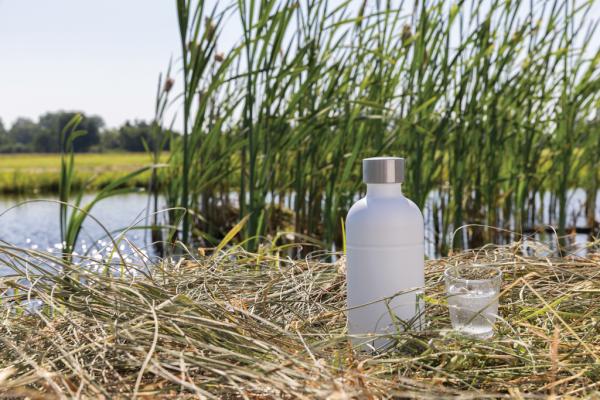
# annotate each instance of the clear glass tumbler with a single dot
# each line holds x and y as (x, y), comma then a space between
(473, 292)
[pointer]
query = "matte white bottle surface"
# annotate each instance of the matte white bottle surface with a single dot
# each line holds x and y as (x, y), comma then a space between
(385, 261)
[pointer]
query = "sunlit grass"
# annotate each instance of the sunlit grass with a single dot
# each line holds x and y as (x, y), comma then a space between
(31, 173)
(234, 324)
(102, 161)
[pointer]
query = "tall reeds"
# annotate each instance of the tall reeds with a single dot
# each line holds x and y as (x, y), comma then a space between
(491, 104)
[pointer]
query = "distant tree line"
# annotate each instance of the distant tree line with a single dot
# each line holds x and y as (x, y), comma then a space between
(43, 136)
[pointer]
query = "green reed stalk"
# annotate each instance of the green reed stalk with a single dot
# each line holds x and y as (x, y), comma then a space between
(183, 13)
(159, 138)
(72, 213)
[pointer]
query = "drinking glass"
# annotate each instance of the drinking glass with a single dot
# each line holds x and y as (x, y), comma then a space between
(473, 292)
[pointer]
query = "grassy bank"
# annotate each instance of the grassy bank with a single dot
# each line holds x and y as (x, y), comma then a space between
(39, 173)
(261, 326)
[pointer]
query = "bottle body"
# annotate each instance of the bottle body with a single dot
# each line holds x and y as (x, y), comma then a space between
(385, 263)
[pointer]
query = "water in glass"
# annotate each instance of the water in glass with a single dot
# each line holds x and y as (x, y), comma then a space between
(473, 299)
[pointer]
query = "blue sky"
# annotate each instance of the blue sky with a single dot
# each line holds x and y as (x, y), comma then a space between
(97, 56)
(101, 57)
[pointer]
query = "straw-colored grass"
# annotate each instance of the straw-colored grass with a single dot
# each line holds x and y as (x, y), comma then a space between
(261, 326)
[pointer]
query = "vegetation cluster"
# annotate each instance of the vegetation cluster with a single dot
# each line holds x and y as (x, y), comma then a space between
(234, 324)
(27, 136)
(493, 104)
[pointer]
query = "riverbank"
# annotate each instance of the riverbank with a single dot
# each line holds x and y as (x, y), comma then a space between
(243, 325)
(40, 173)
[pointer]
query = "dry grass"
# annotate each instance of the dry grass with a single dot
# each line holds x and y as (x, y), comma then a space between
(260, 326)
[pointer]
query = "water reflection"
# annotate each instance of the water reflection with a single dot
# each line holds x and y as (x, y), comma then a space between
(35, 225)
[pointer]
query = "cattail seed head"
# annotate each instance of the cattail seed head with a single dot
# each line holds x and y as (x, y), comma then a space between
(210, 29)
(169, 84)
(406, 34)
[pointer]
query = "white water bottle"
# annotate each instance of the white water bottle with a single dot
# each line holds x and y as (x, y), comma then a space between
(385, 260)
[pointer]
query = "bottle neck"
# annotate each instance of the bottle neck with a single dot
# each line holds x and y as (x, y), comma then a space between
(378, 190)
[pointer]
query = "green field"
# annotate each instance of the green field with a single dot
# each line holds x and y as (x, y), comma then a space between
(40, 173)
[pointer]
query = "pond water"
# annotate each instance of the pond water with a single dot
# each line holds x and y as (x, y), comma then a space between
(34, 222)
(576, 200)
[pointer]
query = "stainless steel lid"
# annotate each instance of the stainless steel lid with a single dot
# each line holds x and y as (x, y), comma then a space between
(383, 170)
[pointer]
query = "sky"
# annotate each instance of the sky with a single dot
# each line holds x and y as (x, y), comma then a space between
(101, 57)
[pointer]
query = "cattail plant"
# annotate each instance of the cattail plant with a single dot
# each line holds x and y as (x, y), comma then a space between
(491, 104)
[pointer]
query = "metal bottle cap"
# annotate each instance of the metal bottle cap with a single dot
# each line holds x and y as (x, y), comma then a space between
(383, 170)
